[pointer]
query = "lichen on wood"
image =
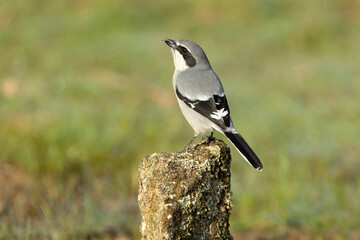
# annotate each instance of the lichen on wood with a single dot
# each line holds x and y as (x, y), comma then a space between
(186, 195)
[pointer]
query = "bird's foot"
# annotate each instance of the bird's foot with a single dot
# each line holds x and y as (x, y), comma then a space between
(209, 138)
(188, 145)
(185, 149)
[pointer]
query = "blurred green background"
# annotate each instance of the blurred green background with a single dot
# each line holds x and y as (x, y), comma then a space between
(86, 93)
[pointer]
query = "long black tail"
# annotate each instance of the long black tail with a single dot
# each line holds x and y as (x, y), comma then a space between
(248, 154)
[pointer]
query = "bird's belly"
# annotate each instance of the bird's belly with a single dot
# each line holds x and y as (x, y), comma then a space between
(199, 123)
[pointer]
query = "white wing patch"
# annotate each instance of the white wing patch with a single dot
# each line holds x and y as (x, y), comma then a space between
(219, 114)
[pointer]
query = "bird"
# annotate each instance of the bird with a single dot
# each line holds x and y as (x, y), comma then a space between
(202, 99)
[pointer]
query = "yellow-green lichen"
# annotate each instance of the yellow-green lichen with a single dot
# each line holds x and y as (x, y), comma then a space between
(186, 195)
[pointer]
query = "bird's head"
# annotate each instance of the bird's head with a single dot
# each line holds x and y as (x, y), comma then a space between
(187, 54)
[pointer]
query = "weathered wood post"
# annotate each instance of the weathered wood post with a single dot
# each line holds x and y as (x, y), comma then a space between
(186, 195)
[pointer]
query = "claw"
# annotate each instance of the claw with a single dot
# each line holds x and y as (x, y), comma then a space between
(188, 145)
(210, 138)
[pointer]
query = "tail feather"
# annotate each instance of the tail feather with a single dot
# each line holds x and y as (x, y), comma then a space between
(246, 152)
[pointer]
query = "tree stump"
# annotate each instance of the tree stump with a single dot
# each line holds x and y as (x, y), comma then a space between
(186, 195)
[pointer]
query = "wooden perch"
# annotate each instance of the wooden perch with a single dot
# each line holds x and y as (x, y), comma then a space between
(186, 195)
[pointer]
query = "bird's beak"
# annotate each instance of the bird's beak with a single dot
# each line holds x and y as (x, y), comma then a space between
(170, 42)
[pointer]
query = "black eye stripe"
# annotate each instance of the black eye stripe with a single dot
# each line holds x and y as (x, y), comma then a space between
(189, 59)
(182, 49)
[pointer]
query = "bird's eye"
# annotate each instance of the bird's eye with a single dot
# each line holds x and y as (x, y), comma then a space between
(182, 49)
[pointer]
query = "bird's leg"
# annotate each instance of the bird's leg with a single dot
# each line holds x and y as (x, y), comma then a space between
(188, 145)
(209, 138)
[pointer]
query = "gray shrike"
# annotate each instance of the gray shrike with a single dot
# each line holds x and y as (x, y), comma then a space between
(202, 98)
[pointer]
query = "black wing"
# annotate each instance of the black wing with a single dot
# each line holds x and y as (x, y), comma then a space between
(215, 108)
(221, 103)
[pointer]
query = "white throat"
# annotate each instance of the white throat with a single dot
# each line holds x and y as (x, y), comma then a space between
(179, 61)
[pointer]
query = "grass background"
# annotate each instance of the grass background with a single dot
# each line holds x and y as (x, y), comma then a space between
(86, 93)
